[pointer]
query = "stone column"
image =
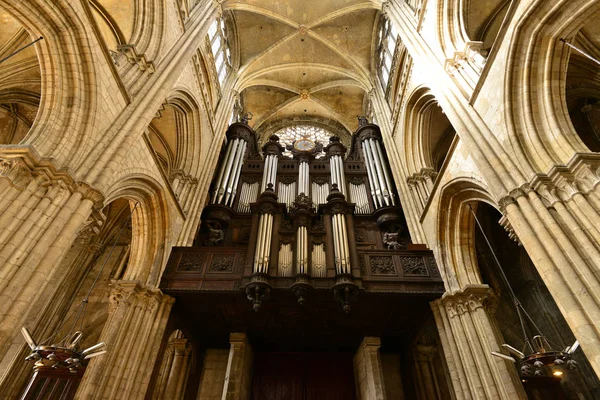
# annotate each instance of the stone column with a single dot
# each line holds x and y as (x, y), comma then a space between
(179, 369)
(238, 378)
(136, 322)
(367, 370)
(469, 334)
(558, 223)
(174, 369)
(426, 385)
(42, 210)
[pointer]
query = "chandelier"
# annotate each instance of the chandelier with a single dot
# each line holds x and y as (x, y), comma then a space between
(537, 357)
(64, 355)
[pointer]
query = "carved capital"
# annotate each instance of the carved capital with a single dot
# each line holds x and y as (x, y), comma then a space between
(16, 172)
(470, 299)
(125, 293)
(89, 193)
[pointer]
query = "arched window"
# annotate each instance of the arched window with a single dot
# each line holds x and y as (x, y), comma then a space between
(289, 134)
(388, 37)
(219, 47)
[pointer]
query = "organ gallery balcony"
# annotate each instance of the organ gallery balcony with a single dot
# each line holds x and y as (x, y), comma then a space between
(306, 237)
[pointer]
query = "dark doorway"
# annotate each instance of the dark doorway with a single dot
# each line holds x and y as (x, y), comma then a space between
(303, 376)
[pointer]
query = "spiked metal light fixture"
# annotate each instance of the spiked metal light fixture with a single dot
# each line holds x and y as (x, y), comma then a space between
(58, 365)
(537, 357)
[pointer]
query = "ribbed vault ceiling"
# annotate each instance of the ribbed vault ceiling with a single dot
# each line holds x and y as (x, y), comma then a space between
(305, 60)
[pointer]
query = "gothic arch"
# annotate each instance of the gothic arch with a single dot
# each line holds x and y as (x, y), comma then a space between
(539, 121)
(176, 134)
(66, 117)
(466, 21)
(456, 231)
(20, 81)
(428, 134)
(151, 234)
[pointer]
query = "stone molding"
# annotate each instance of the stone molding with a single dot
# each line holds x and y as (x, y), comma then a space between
(469, 299)
(135, 58)
(581, 175)
(134, 292)
(21, 165)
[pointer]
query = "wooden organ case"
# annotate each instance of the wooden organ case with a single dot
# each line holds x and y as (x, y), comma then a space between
(316, 244)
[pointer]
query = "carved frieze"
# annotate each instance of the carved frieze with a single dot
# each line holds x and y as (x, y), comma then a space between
(191, 262)
(222, 263)
(414, 266)
(382, 265)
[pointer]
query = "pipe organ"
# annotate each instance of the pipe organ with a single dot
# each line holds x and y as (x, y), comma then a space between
(325, 218)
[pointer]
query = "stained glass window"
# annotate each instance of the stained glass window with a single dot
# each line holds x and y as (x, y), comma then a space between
(289, 134)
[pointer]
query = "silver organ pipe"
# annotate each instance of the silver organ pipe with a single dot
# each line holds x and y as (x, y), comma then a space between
(248, 194)
(358, 196)
(285, 260)
(340, 244)
(337, 173)
(303, 178)
(263, 244)
(318, 261)
(234, 179)
(386, 174)
(270, 172)
(379, 168)
(373, 177)
(226, 166)
(287, 193)
(319, 193)
(302, 250)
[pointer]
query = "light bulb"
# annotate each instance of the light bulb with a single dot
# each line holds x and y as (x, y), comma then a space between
(557, 372)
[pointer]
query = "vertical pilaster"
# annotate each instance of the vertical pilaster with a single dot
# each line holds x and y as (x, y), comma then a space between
(368, 371)
(469, 334)
(238, 378)
(137, 319)
(174, 370)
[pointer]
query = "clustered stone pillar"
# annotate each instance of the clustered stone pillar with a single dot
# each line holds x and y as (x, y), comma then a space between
(559, 226)
(368, 371)
(468, 334)
(174, 369)
(136, 322)
(41, 212)
(238, 378)
(426, 382)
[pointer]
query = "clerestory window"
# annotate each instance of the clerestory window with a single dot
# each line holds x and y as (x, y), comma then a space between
(388, 37)
(217, 37)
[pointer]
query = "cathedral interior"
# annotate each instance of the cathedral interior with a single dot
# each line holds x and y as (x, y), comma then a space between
(304, 200)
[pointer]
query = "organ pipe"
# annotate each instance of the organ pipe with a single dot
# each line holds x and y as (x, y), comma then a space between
(337, 173)
(386, 173)
(270, 172)
(229, 173)
(318, 261)
(285, 260)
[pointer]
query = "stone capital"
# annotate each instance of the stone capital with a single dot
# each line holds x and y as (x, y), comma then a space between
(136, 293)
(469, 299)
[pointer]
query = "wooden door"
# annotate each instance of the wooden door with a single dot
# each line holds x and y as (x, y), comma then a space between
(304, 376)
